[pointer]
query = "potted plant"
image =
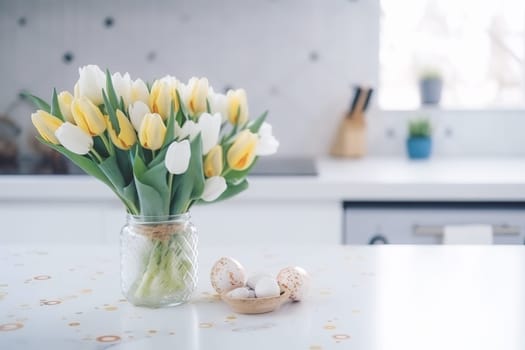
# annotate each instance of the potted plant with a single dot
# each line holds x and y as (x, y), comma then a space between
(430, 86)
(419, 141)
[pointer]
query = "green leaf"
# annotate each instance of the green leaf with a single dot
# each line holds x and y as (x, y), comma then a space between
(152, 188)
(55, 107)
(231, 191)
(183, 114)
(159, 158)
(235, 176)
(124, 164)
(130, 193)
(111, 112)
(122, 105)
(111, 169)
(170, 127)
(112, 95)
(255, 125)
(208, 108)
(83, 162)
(190, 185)
(38, 102)
(180, 118)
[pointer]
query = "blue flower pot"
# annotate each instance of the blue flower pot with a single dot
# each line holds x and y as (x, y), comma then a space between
(419, 147)
(430, 91)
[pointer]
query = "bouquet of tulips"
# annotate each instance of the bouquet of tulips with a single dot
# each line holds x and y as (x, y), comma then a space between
(161, 148)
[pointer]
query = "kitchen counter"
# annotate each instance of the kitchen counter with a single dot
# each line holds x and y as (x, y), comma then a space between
(388, 297)
(461, 179)
(287, 209)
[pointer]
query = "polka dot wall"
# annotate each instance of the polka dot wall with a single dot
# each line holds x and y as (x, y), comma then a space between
(297, 58)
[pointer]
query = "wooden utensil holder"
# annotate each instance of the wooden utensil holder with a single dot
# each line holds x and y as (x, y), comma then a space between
(350, 140)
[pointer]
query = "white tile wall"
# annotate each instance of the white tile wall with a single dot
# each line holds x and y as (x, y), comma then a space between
(297, 58)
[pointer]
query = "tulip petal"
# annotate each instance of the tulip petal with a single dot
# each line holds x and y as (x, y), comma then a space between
(139, 91)
(218, 104)
(91, 82)
(213, 188)
(210, 127)
(190, 128)
(74, 138)
(178, 157)
(267, 144)
(46, 125)
(122, 86)
(64, 101)
(137, 111)
(152, 132)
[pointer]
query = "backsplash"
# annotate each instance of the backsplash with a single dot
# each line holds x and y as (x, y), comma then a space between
(297, 58)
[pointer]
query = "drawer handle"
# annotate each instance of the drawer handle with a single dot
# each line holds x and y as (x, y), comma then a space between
(378, 239)
(433, 230)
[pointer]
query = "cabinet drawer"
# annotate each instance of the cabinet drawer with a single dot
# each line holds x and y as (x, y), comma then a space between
(421, 222)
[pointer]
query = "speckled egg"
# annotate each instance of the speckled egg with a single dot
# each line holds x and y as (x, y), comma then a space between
(295, 280)
(267, 287)
(253, 279)
(239, 293)
(227, 274)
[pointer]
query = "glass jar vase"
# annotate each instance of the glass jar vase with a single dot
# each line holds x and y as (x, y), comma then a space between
(158, 260)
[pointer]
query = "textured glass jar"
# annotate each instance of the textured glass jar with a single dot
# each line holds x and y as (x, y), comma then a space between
(158, 260)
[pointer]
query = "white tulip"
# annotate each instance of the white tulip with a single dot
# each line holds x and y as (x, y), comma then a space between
(139, 91)
(210, 127)
(178, 157)
(122, 86)
(74, 138)
(91, 82)
(213, 188)
(137, 111)
(190, 128)
(267, 144)
(218, 103)
(172, 82)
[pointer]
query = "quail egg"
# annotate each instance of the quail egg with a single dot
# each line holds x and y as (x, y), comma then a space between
(267, 287)
(253, 279)
(239, 293)
(295, 280)
(227, 274)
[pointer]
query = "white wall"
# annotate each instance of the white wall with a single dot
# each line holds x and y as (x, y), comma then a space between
(297, 58)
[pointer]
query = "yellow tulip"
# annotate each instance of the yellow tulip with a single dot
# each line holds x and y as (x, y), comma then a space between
(152, 131)
(162, 93)
(64, 102)
(197, 95)
(237, 106)
(46, 125)
(87, 116)
(213, 162)
(242, 153)
(127, 137)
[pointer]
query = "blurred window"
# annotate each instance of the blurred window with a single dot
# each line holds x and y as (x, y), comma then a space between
(477, 46)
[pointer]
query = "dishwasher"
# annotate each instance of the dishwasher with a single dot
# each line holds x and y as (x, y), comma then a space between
(424, 222)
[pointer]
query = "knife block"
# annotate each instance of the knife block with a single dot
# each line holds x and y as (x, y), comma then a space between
(350, 140)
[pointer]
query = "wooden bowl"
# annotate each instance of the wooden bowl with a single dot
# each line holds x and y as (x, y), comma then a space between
(256, 305)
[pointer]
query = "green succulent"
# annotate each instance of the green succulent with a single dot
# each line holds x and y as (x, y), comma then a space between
(420, 127)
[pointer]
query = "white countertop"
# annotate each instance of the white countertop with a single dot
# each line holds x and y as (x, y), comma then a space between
(388, 297)
(456, 179)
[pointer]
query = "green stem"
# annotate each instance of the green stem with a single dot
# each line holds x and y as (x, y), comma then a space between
(107, 144)
(95, 153)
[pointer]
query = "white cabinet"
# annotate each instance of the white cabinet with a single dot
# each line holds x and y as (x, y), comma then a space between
(269, 222)
(414, 223)
(250, 221)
